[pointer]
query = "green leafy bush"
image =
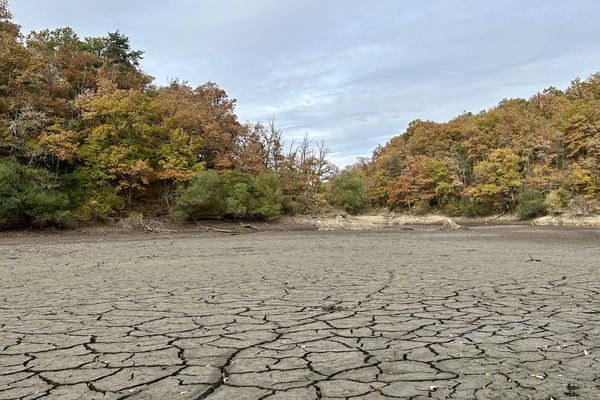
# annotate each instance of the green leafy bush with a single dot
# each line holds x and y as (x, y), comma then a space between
(474, 208)
(268, 197)
(97, 204)
(230, 193)
(201, 198)
(350, 193)
(237, 188)
(530, 204)
(451, 207)
(30, 196)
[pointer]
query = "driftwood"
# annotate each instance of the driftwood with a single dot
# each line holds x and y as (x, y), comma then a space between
(496, 217)
(152, 225)
(211, 229)
(450, 225)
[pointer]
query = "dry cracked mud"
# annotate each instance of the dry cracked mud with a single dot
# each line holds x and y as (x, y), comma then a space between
(488, 313)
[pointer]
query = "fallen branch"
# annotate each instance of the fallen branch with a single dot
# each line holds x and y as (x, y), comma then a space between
(495, 218)
(211, 229)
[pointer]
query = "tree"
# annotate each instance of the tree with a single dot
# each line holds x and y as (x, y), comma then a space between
(498, 178)
(6, 24)
(350, 193)
(268, 197)
(70, 67)
(117, 50)
(207, 117)
(4, 11)
(238, 190)
(121, 140)
(202, 198)
(427, 180)
(30, 196)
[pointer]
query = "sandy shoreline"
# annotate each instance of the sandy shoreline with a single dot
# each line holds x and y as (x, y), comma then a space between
(302, 223)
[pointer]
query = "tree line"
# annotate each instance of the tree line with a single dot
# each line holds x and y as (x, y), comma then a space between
(86, 135)
(531, 157)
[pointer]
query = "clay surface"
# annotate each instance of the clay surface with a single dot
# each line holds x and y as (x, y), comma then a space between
(509, 312)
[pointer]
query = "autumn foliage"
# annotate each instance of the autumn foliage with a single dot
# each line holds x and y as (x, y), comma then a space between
(533, 156)
(80, 113)
(85, 136)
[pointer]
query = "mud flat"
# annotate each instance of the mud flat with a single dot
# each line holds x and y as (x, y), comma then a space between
(507, 312)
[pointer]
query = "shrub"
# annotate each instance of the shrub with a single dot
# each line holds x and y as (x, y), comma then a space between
(230, 193)
(30, 196)
(421, 208)
(268, 198)
(474, 208)
(98, 203)
(451, 207)
(135, 219)
(530, 204)
(350, 193)
(557, 201)
(201, 198)
(237, 189)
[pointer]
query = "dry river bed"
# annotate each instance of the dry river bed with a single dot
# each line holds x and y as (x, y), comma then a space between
(507, 312)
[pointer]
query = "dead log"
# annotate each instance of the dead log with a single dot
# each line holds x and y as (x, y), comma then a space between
(450, 225)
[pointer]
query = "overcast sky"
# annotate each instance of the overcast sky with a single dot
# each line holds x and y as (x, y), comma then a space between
(353, 73)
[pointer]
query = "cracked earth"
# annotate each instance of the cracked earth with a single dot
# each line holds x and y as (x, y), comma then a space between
(488, 313)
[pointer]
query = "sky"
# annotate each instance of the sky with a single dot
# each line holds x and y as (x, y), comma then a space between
(351, 73)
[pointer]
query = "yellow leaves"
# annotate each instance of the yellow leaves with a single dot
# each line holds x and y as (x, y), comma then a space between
(174, 174)
(500, 174)
(502, 168)
(59, 145)
(174, 167)
(583, 181)
(484, 191)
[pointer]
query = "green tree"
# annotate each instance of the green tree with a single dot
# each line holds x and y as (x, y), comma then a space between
(238, 190)
(268, 198)
(203, 197)
(117, 49)
(30, 196)
(350, 193)
(530, 204)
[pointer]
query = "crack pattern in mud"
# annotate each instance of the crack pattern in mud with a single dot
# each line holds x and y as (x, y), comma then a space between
(401, 315)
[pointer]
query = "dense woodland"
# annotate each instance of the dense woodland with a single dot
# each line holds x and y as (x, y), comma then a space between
(534, 156)
(85, 135)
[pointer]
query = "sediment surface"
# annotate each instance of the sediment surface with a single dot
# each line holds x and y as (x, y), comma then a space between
(509, 312)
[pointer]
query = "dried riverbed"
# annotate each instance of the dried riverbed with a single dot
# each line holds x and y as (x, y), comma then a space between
(509, 312)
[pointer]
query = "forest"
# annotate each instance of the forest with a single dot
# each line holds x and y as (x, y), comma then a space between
(531, 157)
(85, 135)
